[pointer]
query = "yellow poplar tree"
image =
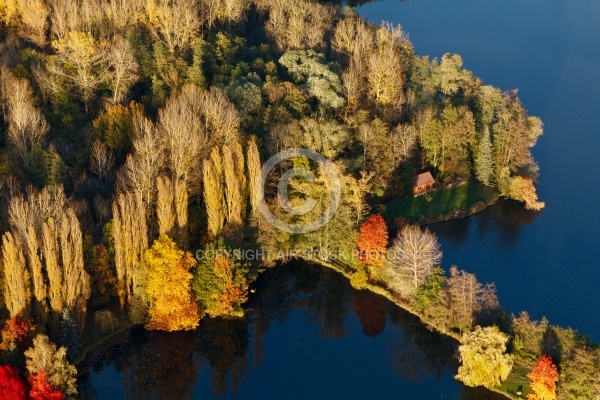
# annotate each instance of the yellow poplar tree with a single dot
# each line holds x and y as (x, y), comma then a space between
(172, 305)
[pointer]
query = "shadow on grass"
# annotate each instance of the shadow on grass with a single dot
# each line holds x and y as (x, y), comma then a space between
(442, 201)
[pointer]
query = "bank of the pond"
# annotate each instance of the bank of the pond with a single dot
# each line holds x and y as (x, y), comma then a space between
(516, 379)
(451, 202)
(513, 383)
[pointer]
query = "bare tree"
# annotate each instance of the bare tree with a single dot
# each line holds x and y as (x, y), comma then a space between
(82, 61)
(74, 16)
(26, 123)
(101, 160)
(34, 15)
(468, 298)
(233, 10)
(143, 166)
(121, 14)
(221, 119)
(416, 252)
(174, 22)
(297, 24)
(353, 79)
(385, 67)
(185, 138)
(354, 38)
(33, 250)
(64, 17)
(48, 83)
(123, 68)
(181, 210)
(404, 140)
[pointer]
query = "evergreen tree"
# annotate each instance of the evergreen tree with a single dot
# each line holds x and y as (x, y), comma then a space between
(484, 165)
(68, 336)
(56, 170)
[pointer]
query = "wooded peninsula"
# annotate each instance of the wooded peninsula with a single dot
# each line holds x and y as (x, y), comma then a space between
(134, 132)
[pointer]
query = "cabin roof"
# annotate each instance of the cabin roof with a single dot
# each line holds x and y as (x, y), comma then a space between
(423, 179)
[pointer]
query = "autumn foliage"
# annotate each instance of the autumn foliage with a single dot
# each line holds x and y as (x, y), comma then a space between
(232, 294)
(172, 305)
(41, 389)
(15, 331)
(12, 386)
(372, 240)
(543, 379)
(221, 283)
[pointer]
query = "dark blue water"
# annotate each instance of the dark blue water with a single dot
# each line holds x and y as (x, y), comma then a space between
(308, 335)
(549, 50)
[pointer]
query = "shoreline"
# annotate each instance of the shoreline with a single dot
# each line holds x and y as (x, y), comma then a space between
(405, 307)
(461, 213)
(443, 204)
(338, 267)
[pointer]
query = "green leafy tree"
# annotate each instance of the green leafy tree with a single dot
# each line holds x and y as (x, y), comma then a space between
(220, 282)
(430, 290)
(114, 126)
(528, 336)
(483, 356)
(579, 377)
(317, 75)
(56, 169)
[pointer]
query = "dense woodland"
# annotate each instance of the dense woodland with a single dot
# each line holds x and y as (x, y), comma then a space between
(132, 134)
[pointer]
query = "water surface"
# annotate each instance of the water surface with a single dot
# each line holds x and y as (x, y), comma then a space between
(548, 264)
(308, 335)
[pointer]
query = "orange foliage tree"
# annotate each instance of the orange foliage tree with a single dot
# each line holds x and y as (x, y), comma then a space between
(12, 386)
(372, 240)
(231, 294)
(221, 283)
(15, 330)
(543, 379)
(172, 304)
(41, 389)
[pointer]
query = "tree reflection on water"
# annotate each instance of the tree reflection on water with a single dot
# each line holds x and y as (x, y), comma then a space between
(159, 365)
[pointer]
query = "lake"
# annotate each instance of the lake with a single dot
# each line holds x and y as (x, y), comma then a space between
(309, 335)
(547, 264)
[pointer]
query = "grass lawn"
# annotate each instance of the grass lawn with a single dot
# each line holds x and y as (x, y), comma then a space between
(517, 380)
(440, 201)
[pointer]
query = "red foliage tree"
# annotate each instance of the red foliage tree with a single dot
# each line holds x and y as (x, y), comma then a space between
(372, 240)
(16, 331)
(41, 389)
(12, 386)
(543, 379)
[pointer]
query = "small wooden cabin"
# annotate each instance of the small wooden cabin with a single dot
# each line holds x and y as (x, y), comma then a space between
(423, 183)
